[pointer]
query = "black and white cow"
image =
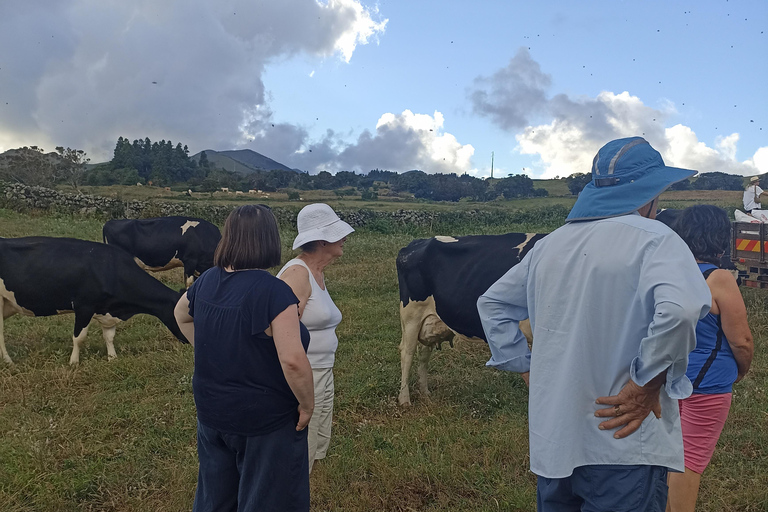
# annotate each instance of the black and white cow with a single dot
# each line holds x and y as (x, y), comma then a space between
(440, 280)
(164, 243)
(43, 276)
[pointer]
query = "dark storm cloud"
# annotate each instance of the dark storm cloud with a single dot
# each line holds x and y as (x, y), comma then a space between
(84, 72)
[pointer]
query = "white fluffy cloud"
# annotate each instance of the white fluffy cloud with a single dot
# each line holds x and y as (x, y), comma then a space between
(578, 127)
(567, 145)
(84, 72)
(400, 143)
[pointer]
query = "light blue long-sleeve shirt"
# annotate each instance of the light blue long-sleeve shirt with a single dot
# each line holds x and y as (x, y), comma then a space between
(608, 300)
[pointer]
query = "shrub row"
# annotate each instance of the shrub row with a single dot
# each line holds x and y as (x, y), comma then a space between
(21, 198)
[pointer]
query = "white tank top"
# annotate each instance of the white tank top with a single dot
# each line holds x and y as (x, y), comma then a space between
(320, 317)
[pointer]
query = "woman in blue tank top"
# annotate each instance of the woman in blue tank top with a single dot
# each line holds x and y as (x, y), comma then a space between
(722, 355)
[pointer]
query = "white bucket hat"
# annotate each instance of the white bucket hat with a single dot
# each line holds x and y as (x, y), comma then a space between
(319, 222)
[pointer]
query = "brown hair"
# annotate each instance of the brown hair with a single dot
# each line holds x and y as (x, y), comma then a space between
(250, 239)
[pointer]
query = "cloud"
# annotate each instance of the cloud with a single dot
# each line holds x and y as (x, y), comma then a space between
(400, 143)
(517, 94)
(512, 93)
(84, 72)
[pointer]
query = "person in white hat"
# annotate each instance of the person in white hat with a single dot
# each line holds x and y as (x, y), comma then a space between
(752, 195)
(321, 238)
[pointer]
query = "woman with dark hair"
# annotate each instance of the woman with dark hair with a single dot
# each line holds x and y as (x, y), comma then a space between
(321, 238)
(252, 382)
(722, 355)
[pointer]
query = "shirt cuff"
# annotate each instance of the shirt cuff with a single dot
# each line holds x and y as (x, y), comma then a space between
(676, 387)
(519, 364)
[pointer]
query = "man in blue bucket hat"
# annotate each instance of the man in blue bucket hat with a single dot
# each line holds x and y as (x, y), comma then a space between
(613, 298)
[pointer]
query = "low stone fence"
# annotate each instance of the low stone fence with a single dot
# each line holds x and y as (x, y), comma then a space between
(21, 198)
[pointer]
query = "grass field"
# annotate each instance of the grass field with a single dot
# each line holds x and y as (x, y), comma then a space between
(120, 435)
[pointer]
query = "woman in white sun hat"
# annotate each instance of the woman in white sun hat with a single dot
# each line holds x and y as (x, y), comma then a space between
(321, 239)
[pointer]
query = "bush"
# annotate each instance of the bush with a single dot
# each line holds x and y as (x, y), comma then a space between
(718, 181)
(293, 195)
(577, 182)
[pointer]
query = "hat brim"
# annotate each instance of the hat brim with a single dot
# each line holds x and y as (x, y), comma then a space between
(330, 233)
(623, 198)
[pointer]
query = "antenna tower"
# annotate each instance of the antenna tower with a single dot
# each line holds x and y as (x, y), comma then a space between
(491, 164)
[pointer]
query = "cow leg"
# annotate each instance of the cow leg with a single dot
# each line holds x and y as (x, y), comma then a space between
(76, 340)
(408, 345)
(425, 352)
(82, 319)
(108, 327)
(6, 357)
(189, 273)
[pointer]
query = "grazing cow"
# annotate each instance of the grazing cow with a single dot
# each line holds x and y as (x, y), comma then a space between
(440, 280)
(251, 191)
(164, 243)
(43, 276)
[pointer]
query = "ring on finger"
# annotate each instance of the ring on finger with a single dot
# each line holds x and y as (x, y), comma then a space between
(617, 408)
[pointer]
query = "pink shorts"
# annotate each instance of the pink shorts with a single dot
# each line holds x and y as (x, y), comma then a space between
(702, 418)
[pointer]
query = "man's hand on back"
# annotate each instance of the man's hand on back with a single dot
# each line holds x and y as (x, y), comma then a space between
(631, 406)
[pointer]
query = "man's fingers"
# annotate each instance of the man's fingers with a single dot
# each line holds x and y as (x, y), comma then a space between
(608, 400)
(614, 423)
(609, 412)
(631, 427)
(657, 410)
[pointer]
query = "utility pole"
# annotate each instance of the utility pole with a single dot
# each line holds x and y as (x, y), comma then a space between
(491, 164)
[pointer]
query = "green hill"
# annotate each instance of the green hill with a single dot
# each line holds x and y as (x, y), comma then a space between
(244, 161)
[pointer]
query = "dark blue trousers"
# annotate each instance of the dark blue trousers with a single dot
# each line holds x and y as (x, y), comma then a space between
(605, 488)
(248, 474)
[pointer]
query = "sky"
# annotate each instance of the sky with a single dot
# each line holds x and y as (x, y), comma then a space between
(441, 86)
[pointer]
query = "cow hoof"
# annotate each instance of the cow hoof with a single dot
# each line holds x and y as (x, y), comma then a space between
(74, 362)
(111, 357)
(8, 359)
(404, 399)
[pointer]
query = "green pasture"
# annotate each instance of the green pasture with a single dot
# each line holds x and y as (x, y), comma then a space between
(120, 435)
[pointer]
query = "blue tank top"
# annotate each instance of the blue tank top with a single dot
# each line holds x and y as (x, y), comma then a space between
(711, 366)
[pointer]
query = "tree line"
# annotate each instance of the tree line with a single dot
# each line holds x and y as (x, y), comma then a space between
(706, 181)
(32, 166)
(164, 163)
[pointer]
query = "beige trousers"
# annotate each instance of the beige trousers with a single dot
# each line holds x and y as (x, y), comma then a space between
(319, 436)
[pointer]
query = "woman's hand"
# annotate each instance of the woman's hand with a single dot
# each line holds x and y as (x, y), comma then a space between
(304, 417)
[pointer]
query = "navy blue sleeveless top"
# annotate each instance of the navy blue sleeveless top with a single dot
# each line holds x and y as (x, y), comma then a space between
(238, 384)
(711, 366)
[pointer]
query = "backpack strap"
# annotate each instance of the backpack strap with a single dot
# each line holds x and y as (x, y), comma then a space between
(718, 344)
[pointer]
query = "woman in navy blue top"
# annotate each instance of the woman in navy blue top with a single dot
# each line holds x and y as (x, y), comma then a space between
(722, 355)
(252, 382)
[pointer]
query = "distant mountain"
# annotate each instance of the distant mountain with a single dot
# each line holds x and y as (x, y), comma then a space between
(243, 161)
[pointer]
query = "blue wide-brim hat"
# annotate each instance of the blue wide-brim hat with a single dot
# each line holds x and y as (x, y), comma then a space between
(626, 175)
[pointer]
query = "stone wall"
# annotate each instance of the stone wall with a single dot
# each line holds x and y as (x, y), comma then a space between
(18, 197)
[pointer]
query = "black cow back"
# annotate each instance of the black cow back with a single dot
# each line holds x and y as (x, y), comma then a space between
(457, 273)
